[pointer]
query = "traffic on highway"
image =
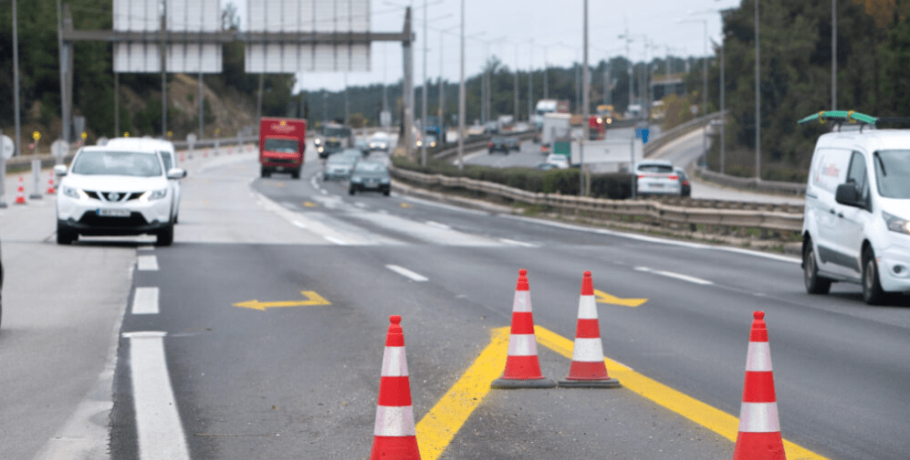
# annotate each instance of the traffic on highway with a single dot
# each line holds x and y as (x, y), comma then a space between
(553, 278)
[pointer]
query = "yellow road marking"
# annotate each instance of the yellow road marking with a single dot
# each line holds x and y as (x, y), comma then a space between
(603, 297)
(405, 205)
(280, 184)
(310, 204)
(312, 298)
(440, 425)
(707, 416)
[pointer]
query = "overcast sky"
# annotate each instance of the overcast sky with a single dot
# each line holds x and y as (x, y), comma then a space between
(554, 27)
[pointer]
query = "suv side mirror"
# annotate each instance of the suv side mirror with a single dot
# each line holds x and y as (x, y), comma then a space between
(846, 194)
(60, 170)
(176, 173)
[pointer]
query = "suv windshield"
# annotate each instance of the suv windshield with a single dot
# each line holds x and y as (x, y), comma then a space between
(138, 164)
(655, 168)
(280, 145)
(336, 132)
(370, 167)
(892, 173)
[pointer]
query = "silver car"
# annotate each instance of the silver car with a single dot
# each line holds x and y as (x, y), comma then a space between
(655, 177)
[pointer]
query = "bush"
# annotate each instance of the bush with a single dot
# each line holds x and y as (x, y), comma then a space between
(562, 181)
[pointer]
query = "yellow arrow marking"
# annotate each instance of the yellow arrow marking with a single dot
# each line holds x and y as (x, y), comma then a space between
(312, 298)
(280, 184)
(603, 297)
(405, 205)
(310, 204)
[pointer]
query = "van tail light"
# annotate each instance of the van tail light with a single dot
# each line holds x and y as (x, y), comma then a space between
(491, 145)
(685, 182)
(641, 176)
(674, 177)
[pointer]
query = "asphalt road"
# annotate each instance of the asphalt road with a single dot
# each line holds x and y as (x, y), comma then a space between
(301, 381)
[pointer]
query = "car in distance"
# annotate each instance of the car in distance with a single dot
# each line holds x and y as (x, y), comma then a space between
(559, 160)
(168, 156)
(498, 144)
(546, 166)
(379, 142)
(657, 177)
(370, 176)
(338, 166)
(513, 144)
(112, 191)
(685, 188)
(856, 224)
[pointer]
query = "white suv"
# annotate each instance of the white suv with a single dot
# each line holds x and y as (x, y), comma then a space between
(114, 191)
(857, 218)
(168, 156)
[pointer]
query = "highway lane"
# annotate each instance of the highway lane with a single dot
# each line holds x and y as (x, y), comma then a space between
(840, 366)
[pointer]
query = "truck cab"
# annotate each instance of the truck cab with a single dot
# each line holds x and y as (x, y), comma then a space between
(333, 137)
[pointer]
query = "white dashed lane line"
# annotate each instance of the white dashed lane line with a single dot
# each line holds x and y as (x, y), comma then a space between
(158, 425)
(336, 240)
(678, 276)
(517, 243)
(147, 263)
(298, 223)
(438, 225)
(407, 273)
(145, 302)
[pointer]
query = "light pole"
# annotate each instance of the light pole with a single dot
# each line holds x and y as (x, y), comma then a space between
(531, 80)
(757, 100)
(423, 92)
(704, 110)
(517, 89)
(18, 151)
(585, 110)
(442, 98)
(546, 71)
(461, 97)
(833, 54)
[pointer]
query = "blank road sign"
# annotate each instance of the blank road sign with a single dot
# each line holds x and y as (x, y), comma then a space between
(137, 16)
(193, 16)
(304, 17)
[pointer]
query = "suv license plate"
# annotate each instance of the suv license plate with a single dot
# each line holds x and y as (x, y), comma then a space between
(114, 212)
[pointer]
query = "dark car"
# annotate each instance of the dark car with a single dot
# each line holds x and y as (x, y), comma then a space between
(499, 144)
(370, 176)
(685, 189)
(513, 143)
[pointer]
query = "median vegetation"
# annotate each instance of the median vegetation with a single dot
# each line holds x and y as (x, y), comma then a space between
(560, 181)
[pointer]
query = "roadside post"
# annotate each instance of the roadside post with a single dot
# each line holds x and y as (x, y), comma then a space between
(6, 152)
(36, 169)
(59, 149)
(190, 141)
(217, 140)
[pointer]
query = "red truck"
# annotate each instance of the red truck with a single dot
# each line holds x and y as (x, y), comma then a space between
(282, 142)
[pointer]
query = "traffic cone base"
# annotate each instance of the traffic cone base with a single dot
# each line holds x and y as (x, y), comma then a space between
(522, 366)
(588, 369)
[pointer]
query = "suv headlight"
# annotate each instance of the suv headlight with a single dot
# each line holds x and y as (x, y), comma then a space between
(317, 141)
(72, 192)
(153, 195)
(896, 224)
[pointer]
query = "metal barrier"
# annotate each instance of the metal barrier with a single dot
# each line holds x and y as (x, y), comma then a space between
(751, 183)
(764, 217)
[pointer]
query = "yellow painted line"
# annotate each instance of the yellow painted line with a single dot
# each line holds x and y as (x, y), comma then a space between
(603, 297)
(405, 205)
(310, 204)
(440, 425)
(707, 416)
(312, 298)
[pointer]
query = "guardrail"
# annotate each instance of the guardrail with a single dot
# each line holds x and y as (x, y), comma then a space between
(676, 132)
(751, 183)
(763, 217)
(476, 143)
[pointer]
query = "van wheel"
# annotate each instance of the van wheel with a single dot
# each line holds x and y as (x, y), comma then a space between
(872, 288)
(814, 284)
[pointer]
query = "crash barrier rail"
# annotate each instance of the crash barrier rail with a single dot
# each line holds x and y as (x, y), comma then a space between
(751, 183)
(676, 132)
(670, 213)
(477, 143)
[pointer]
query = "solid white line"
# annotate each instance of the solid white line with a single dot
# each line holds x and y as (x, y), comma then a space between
(442, 206)
(336, 240)
(147, 263)
(438, 225)
(406, 273)
(146, 247)
(678, 276)
(299, 224)
(158, 423)
(145, 302)
(517, 243)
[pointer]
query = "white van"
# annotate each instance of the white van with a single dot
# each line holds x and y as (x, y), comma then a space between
(857, 218)
(168, 157)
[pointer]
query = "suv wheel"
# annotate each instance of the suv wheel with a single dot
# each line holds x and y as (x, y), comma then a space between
(814, 284)
(165, 236)
(65, 235)
(872, 288)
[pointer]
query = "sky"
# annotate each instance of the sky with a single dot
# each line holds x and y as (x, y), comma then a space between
(530, 33)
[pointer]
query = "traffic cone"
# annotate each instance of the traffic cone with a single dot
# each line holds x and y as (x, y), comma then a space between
(20, 194)
(759, 426)
(522, 366)
(206, 153)
(394, 437)
(588, 369)
(50, 185)
(182, 155)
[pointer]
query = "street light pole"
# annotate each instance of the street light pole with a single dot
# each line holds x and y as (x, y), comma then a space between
(833, 54)
(546, 71)
(585, 110)
(515, 105)
(18, 150)
(531, 80)
(461, 97)
(757, 100)
(704, 67)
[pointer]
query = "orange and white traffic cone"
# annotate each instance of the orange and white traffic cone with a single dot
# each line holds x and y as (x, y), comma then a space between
(182, 155)
(759, 426)
(50, 185)
(394, 436)
(20, 193)
(522, 366)
(206, 153)
(588, 369)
